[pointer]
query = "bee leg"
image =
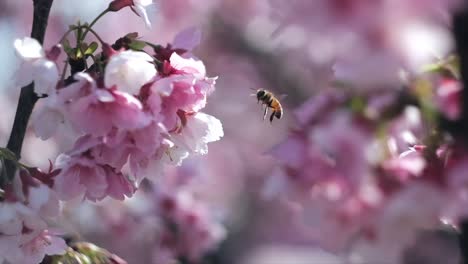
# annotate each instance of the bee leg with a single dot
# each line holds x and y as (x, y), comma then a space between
(272, 115)
(266, 112)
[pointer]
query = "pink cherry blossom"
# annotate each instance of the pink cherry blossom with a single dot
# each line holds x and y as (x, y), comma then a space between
(24, 235)
(185, 90)
(102, 110)
(188, 65)
(51, 113)
(199, 130)
(448, 98)
(82, 176)
(408, 164)
(31, 247)
(78, 176)
(95, 110)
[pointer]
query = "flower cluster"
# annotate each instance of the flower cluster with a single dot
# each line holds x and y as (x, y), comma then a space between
(132, 111)
(138, 112)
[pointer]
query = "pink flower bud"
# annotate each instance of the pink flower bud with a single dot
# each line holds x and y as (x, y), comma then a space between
(116, 5)
(54, 52)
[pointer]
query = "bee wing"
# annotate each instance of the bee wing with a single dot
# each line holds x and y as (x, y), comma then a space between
(254, 91)
(281, 97)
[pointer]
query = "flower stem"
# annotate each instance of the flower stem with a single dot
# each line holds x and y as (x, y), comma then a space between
(27, 97)
(88, 28)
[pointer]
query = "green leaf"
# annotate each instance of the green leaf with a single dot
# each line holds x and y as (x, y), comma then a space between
(432, 67)
(449, 65)
(137, 45)
(67, 47)
(91, 48)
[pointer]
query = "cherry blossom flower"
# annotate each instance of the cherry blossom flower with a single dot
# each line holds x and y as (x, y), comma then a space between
(186, 89)
(102, 110)
(24, 235)
(141, 7)
(82, 102)
(51, 113)
(129, 71)
(31, 247)
(82, 176)
(35, 66)
(199, 130)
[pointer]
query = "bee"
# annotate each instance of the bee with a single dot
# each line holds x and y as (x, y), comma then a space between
(270, 101)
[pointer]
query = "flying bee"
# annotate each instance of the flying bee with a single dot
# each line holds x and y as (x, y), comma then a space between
(270, 101)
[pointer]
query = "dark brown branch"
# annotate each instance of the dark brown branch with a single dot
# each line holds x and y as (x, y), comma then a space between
(27, 97)
(460, 128)
(460, 31)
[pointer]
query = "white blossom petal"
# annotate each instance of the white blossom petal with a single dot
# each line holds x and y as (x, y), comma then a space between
(200, 130)
(129, 71)
(28, 49)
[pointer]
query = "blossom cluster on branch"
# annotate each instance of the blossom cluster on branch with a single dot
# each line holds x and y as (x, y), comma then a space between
(133, 111)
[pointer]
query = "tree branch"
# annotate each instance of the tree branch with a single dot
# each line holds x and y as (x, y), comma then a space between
(27, 97)
(460, 128)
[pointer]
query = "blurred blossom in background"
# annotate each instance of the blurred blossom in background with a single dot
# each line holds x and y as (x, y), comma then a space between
(341, 178)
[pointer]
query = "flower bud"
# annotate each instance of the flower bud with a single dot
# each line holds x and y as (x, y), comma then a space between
(116, 5)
